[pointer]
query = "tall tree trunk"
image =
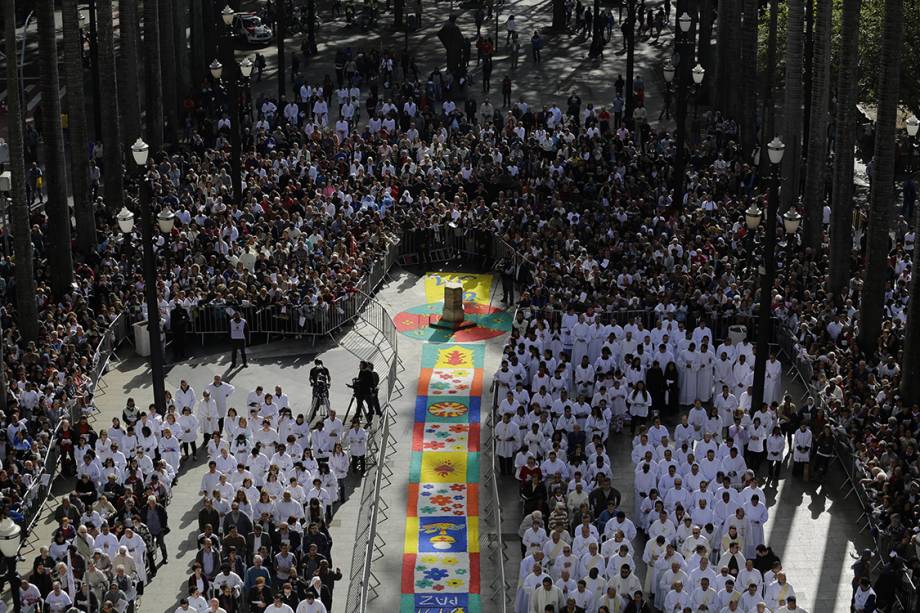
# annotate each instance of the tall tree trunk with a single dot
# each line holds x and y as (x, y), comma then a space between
(750, 75)
(168, 70)
(199, 64)
(153, 85)
(24, 274)
(114, 188)
(399, 8)
(558, 17)
(882, 197)
(733, 67)
(129, 101)
(769, 92)
(180, 38)
(61, 268)
(718, 89)
(844, 140)
(808, 66)
(280, 34)
(815, 163)
(792, 105)
(704, 44)
(76, 113)
(630, 35)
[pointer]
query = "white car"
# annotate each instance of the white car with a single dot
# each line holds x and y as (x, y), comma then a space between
(251, 27)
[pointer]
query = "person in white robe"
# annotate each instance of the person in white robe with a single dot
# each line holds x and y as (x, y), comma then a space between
(742, 374)
(507, 442)
(545, 595)
(703, 595)
(676, 599)
(688, 365)
(722, 371)
(526, 586)
(778, 592)
(705, 374)
(669, 577)
(773, 381)
(569, 321)
(596, 341)
(801, 449)
(757, 515)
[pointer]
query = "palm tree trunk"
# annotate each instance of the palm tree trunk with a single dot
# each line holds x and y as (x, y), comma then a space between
(748, 122)
(129, 101)
(76, 113)
(24, 274)
(882, 197)
(792, 105)
(719, 85)
(153, 77)
(732, 68)
(57, 209)
(630, 35)
(180, 38)
(769, 92)
(704, 44)
(168, 69)
(844, 141)
(280, 35)
(114, 187)
(815, 171)
(199, 65)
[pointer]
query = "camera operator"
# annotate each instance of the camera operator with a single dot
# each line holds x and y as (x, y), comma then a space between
(365, 387)
(320, 374)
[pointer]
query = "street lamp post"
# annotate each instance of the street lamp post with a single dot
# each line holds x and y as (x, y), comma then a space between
(775, 150)
(232, 89)
(913, 126)
(10, 540)
(165, 220)
(684, 48)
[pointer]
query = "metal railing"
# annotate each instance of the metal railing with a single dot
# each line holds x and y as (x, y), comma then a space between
(38, 493)
(905, 595)
(313, 320)
(493, 514)
(378, 345)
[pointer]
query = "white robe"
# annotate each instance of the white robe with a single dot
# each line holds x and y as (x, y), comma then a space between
(688, 367)
(773, 383)
(801, 439)
(581, 336)
(704, 376)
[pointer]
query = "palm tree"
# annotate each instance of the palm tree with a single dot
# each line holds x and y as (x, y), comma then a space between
(817, 126)
(26, 306)
(704, 53)
(630, 39)
(180, 38)
(768, 94)
(728, 42)
(76, 113)
(199, 65)
(154, 79)
(792, 105)
(280, 34)
(841, 229)
(882, 197)
(749, 75)
(129, 101)
(114, 187)
(168, 69)
(61, 272)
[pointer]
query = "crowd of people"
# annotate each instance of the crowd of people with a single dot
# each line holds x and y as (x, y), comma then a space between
(331, 177)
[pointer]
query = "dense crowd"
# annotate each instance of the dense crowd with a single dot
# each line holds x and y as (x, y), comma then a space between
(331, 176)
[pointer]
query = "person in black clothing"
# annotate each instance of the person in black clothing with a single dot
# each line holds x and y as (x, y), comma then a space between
(178, 321)
(657, 387)
(506, 267)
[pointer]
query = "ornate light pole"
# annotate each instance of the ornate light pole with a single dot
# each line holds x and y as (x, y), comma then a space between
(165, 219)
(791, 221)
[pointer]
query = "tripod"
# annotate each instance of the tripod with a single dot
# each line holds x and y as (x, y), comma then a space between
(320, 401)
